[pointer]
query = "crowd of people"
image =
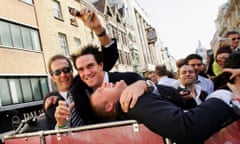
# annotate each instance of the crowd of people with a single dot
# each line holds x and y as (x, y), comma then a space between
(169, 105)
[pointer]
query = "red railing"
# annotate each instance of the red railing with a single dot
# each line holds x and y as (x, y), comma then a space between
(124, 132)
(127, 132)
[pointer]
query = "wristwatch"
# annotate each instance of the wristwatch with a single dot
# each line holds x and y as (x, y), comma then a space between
(103, 33)
(150, 85)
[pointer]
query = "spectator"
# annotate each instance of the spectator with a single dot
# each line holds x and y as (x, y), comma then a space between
(180, 62)
(220, 57)
(162, 74)
(152, 76)
(235, 37)
(195, 61)
(60, 67)
(192, 93)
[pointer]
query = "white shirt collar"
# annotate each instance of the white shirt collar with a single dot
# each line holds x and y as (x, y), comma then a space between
(106, 77)
(64, 94)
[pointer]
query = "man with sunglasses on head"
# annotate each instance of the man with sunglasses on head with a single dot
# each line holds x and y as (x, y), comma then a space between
(61, 71)
(235, 37)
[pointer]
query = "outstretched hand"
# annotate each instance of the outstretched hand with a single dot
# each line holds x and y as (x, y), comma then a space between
(92, 21)
(89, 18)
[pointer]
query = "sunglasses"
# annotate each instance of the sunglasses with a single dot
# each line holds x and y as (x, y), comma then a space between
(238, 38)
(65, 70)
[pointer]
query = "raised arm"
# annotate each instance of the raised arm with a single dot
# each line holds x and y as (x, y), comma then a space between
(109, 46)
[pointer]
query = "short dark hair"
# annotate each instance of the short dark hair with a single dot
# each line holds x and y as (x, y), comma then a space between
(161, 70)
(224, 49)
(233, 62)
(231, 33)
(89, 49)
(193, 56)
(180, 62)
(57, 57)
(179, 68)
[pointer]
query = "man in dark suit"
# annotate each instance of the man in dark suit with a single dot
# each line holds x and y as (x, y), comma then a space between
(164, 115)
(60, 69)
(89, 64)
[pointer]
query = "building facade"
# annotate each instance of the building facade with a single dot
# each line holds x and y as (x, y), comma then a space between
(30, 33)
(202, 51)
(228, 19)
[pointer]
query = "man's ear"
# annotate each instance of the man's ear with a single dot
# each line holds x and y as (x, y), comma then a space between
(52, 78)
(108, 107)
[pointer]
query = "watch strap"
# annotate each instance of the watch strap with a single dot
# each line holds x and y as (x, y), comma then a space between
(103, 33)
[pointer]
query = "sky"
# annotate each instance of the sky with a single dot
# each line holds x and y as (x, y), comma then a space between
(182, 23)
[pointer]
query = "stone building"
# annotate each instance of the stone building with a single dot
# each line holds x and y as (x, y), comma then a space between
(31, 31)
(228, 19)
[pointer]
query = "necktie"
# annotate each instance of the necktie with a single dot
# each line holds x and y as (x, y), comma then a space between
(75, 120)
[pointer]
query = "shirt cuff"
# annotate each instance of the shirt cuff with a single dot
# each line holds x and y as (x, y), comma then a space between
(67, 125)
(108, 45)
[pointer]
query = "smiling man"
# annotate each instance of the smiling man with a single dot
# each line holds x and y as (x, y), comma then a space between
(89, 64)
(60, 67)
(61, 72)
(235, 37)
(187, 77)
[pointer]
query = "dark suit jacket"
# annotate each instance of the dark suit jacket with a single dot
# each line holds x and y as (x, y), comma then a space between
(167, 119)
(110, 57)
(49, 113)
(81, 98)
(45, 122)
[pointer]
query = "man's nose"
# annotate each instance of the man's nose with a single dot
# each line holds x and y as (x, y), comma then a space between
(86, 71)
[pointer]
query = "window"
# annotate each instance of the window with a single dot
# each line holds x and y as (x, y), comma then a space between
(36, 87)
(20, 89)
(57, 10)
(77, 44)
(27, 43)
(15, 90)
(73, 21)
(121, 57)
(5, 34)
(26, 88)
(35, 40)
(4, 93)
(63, 43)
(28, 1)
(17, 36)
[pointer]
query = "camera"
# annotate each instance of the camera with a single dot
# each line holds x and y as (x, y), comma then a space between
(184, 91)
(74, 12)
